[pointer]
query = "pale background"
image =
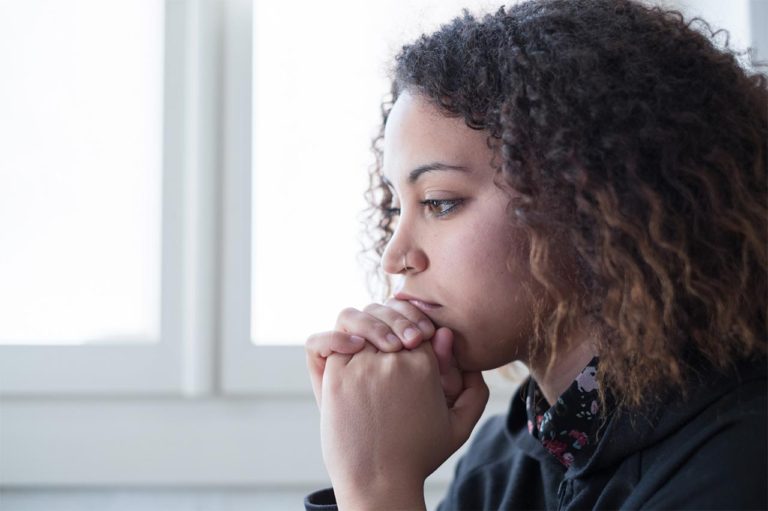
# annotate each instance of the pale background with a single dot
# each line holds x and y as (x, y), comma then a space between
(167, 374)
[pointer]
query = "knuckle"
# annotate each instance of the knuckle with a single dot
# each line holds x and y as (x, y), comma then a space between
(392, 303)
(382, 330)
(401, 306)
(314, 340)
(402, 323)
(371, 307)
(415, 315)
(348, 312)
(426, 323)
(388, 363)
(322, 344)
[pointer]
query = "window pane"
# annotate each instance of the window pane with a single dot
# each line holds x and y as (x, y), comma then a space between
(80, 170)
(319, 79)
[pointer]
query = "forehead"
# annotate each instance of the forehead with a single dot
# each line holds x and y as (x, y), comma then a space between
(417, 133)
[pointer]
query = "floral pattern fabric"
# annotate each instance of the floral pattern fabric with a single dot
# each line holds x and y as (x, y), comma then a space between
(568, 429)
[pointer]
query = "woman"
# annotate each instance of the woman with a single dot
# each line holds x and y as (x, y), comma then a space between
(580, 185)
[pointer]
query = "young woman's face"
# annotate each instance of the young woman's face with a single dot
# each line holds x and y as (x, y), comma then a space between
(453, 245)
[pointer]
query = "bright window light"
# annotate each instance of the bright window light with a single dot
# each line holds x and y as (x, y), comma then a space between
(80, 170)
(320, 74)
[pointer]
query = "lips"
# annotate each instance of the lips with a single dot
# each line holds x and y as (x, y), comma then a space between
(419, 303)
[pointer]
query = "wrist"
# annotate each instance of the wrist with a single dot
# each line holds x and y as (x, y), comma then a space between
(387, 496)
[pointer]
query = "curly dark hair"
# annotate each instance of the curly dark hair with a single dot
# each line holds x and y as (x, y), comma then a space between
(634, 137)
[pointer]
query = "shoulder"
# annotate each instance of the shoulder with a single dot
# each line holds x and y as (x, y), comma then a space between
(490, 443)
(504, 467)
(498, 441)
(718, 457)
(482, 472)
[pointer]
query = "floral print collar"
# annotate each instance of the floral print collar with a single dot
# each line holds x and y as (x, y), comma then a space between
(569, 428)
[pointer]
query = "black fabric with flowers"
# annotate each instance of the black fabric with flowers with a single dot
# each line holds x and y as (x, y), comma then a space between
(569, 428)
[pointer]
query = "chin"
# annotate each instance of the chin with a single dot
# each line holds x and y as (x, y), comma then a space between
(469, 359)
(473, 365)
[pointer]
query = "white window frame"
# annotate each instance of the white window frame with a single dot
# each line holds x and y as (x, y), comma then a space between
(181, 361)
(246, 368)
(205, 276)
(84, 416)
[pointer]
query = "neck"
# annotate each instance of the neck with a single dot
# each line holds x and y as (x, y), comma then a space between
(553, 379)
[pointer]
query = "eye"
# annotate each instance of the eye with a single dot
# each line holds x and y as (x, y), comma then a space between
(442, 207)
(391, 212)
(391, 208)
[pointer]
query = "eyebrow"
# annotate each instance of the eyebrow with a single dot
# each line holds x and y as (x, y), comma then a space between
(414, 175)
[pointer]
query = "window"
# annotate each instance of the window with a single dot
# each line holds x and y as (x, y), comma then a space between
(80, 172)
(315, 103)
(193, 180)
(316, 109)
(93, 196)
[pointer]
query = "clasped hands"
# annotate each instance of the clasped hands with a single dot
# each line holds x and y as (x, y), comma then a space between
(393, 403)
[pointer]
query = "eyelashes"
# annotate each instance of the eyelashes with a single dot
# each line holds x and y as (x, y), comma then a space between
(435, 207)
(441, 207)
(390, 212)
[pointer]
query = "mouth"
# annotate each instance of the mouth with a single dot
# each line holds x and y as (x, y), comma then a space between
(420, 304)
(424, 306)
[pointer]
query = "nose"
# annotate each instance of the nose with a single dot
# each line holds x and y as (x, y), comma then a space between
(403, 255)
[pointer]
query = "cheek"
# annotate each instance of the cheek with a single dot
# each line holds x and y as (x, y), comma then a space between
(491, 299)
(482, 261)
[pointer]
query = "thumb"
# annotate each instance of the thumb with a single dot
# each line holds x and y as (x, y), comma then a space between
(450, 375)
(442, 344)
(469, 406)
(320, 346)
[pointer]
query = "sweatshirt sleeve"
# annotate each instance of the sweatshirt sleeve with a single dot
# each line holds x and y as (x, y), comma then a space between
(322, 500)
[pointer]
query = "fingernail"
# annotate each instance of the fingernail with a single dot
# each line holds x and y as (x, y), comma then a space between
(356, 339)
(425, 326)
(411, 333)
(393, 339)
